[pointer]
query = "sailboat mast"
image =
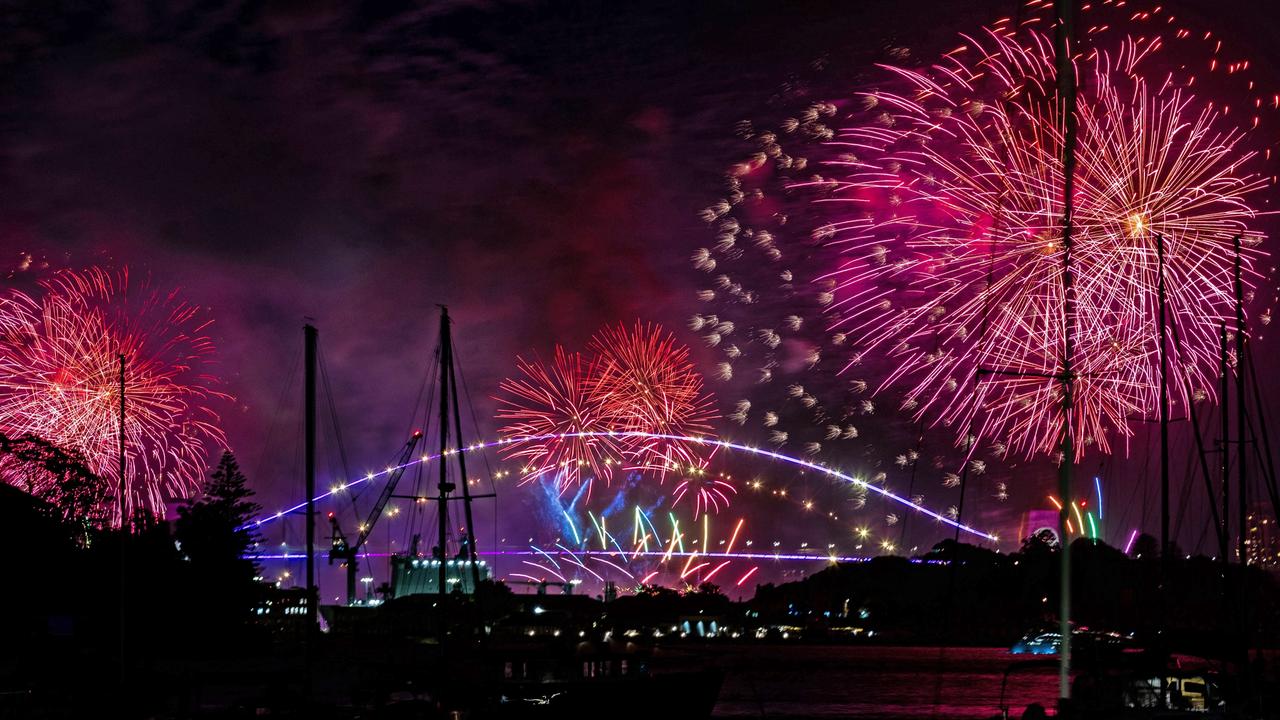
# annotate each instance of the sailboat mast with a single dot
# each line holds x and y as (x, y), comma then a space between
(1067, 96)
(1165, 542)
(1242, 489)
(1242, 496)
(310, 335)
(120, 439)
(446, 361)
(1225, 390)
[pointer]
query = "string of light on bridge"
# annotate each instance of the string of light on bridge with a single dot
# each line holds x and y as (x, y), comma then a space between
(707, 441)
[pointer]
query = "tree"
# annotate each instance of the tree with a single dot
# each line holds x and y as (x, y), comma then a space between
(1045, 541)
(707, 588)
(1146, 547)
(213, 528)
(949, 549)
(215, 536)
(58, 476)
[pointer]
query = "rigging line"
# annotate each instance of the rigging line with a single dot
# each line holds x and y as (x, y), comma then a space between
(484, 456)
(267, 445)
(333, 414)
(972, 443)
(417, 402)
(415, 521)
(1129, 505)
(1184, 498)
(475, 420)
(1268, 460)
(1203, 532)
(296, 475)
(1189, 393)
(337, 432)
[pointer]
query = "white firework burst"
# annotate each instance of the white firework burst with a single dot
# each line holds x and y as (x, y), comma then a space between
(724, 371)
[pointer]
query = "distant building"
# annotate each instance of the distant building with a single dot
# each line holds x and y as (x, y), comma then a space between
(1262, 544)
(421, 576)
(282, 609)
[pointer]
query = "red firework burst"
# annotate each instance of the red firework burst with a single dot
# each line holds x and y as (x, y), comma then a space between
(638, 390)
(650, 386)
(548, 405)
(707, 492)
(60, 360)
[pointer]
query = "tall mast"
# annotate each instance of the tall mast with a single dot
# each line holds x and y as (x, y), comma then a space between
(1242, 498)
(1242, 488)
(120, 438)
(1225, 392)
(309, 335)
(1067, 96)
(124, 547)
(446, 361)
(1165, 546)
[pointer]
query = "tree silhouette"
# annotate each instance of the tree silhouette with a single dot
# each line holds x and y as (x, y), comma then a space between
(56, 475)
(1146, 547)
(212, 536)
(1043, 542)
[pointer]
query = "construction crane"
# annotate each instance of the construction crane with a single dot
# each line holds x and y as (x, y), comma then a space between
(567, 587)
(344, 551)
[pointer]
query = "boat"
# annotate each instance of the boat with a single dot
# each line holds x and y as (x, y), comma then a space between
(1049, 641)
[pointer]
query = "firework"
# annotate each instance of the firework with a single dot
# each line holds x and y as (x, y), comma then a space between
(969, 239)
(917, 237)
(680, 555)
(707, 492)
(637, 398)
(60, 362)
(650, 386)
(547, 409)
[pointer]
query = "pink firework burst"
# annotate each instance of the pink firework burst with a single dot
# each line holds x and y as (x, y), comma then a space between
(638, 391)
(707, 492)
(60, 362)
(650, 385)
(944, 207)
(545, 407)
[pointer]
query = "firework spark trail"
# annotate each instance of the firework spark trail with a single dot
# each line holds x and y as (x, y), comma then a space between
(59, 380)
(651, 386)
(976, 245)
(624, 408)
(559, 401)
(914, 230)
(708, 493)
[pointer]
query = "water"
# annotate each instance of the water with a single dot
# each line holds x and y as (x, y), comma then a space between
(884, 683)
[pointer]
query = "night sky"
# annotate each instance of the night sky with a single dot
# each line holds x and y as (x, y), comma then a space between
(539, 167)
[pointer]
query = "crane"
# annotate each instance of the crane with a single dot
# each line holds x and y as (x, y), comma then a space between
(344, 551)
(566, 587)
